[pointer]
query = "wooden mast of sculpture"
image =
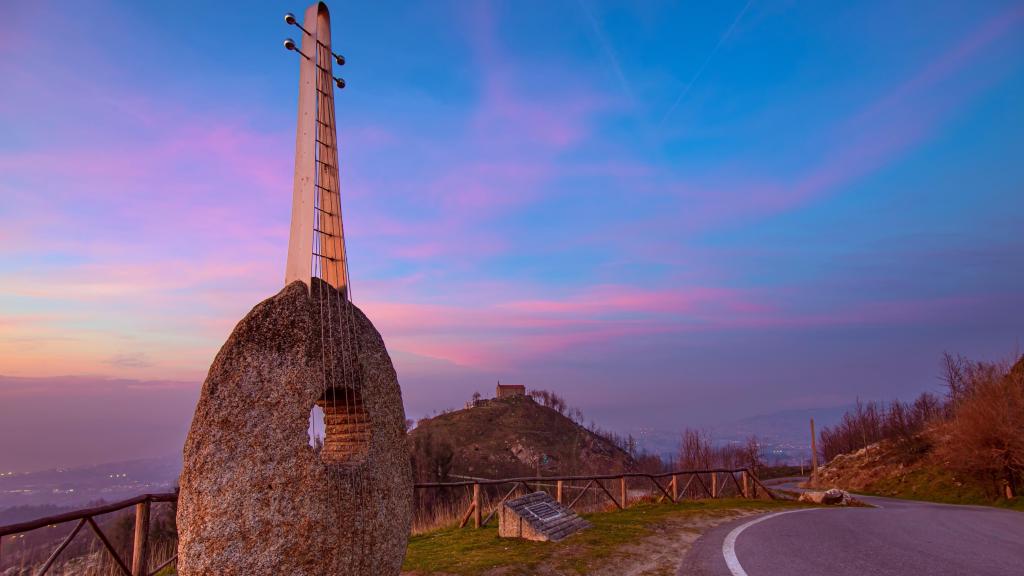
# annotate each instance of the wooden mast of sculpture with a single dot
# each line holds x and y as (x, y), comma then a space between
(316, 244)
(257, 499)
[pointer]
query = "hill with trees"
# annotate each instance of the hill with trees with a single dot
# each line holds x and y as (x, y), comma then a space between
(965, 448)
(516, 436)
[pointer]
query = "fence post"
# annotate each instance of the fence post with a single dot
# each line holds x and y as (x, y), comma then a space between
(714, 485)
(476, 506)
(140, 551)
(746, 490)
(675, 488)
(558, 491)
(622, 491)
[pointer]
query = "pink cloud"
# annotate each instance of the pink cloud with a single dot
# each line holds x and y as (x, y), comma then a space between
(499, 331)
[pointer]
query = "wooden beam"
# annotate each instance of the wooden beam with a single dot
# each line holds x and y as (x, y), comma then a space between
(663, 491)
(580, 495)
(53, 557)
(739, 489)
(110, 549)
(465, 517)
(558, 491)
(163, 565)
(714, 485)
(500, 503)
(84, 513)
(767, 491)
(610, 497)
(687, 485)
(675, 488)
(476, 506)
(622, 492)
(702, 484)
(140, 549)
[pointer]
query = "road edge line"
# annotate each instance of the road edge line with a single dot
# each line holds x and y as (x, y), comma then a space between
(729, 544)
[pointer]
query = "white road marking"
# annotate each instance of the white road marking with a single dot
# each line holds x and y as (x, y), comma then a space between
(729, 545)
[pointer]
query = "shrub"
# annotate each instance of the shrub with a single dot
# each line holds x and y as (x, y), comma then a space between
(984, 437)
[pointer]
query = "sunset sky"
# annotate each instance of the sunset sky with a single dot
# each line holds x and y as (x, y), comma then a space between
(672, 213)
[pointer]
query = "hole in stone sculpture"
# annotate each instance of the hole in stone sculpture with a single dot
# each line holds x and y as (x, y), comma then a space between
(316, 428)
(339, 426)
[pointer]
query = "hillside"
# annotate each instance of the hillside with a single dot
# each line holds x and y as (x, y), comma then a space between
(887, 469)
(505, 438)
(965, 448)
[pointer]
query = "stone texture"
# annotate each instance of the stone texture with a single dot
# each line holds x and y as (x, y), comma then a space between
(539, 517)
(831, 497)
(256, 498)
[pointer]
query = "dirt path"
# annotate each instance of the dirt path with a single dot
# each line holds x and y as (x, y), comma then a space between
(660, 553)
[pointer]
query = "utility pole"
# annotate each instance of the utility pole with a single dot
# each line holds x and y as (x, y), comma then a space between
(814, 451)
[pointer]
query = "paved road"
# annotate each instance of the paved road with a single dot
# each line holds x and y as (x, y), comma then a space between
(898, 538)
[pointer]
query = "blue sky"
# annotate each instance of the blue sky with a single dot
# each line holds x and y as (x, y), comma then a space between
(672, 213)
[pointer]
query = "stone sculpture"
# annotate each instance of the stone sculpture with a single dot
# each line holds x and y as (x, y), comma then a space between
(258, 498)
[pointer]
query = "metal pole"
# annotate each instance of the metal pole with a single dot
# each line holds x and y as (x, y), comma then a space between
(814, 451)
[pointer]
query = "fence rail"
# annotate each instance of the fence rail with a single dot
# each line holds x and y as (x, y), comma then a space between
(140, 545)
(746, 485)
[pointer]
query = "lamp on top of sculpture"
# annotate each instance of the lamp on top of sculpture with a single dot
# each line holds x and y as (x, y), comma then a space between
(257, 496)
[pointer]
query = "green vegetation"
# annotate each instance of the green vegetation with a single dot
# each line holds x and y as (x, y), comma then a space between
(507, 438)
(935, 484)
(966, 448)
(468, 552)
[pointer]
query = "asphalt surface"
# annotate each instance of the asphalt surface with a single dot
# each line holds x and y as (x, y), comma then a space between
(899, 537)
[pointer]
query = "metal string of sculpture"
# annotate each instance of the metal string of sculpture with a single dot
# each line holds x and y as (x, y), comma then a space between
(256, 497)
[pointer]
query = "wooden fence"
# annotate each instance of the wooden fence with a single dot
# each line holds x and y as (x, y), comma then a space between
(140, 545)
(709, 483)
(671, 486)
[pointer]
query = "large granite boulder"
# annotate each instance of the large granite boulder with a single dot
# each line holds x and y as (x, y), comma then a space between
(256, 498)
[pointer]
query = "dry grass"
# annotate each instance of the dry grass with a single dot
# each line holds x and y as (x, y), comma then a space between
(646, 538)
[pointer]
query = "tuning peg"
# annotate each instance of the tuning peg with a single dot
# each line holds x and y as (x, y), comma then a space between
(289, 44)
(339, 58)
(289, 19)
(340, 82)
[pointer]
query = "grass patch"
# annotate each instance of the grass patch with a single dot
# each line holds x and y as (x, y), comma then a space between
(469, 552)
(931, 484)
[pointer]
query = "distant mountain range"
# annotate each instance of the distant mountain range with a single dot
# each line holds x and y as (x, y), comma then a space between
(79, 486)
(785, 436)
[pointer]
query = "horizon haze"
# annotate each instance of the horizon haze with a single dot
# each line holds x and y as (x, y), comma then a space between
(671, 215)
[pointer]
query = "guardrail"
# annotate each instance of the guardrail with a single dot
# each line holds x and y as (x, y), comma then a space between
(710, 483)
(746, 486)
(140, 546)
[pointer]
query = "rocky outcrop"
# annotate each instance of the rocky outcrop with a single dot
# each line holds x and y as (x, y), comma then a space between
(830, 497)
(256, 498)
